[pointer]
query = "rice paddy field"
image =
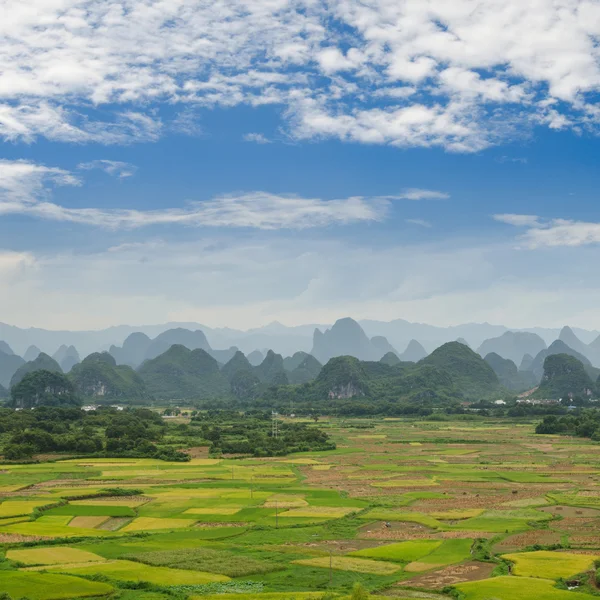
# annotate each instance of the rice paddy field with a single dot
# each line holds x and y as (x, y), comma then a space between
(474, 510)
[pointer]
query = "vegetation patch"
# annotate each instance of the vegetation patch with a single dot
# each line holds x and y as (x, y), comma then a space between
(207, 559)
(348, 563)
(401, 552)
(126, 570)
(321, 512)
(448, 553)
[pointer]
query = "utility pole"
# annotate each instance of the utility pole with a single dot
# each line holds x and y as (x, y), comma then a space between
(274, 425)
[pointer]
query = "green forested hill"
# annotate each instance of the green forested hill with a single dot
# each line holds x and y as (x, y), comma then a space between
(98, 376)
(342, 377)
(42, 362)
(472, 376)
(564, 376)
(238, 362)
(271, 369)
(306, 371)
(183, 373)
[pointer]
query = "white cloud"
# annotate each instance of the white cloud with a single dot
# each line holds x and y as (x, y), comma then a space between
(23, 191)
(477, 70)
(257, 138)
(114, 168)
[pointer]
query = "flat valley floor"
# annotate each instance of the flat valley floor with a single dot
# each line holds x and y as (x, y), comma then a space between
(409, 509)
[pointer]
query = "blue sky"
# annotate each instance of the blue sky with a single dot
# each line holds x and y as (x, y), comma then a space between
(236, 162)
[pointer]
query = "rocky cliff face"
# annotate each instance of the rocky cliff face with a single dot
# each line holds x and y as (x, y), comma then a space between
(348, 390)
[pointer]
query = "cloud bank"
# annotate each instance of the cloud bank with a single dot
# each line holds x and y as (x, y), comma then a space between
(460, 75)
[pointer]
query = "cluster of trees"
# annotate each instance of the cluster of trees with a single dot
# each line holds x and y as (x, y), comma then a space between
(252, 433)
(585, 424)
(104, 432)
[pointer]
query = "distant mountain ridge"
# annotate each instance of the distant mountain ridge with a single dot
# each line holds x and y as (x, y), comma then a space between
(284, 340)
(347, 338)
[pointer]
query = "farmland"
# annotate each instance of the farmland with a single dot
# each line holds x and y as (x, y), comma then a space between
(480, 509)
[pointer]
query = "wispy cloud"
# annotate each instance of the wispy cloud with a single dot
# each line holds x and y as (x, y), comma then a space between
(518, 220)
(552, 233)
(23, 191)
(460, 75)
(419, 194)
(257, 138)
(512, 159)
(419, 222)
(24, 182)
(114, 168)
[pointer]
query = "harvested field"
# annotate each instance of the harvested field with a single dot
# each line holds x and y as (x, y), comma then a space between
(87, 522)
(114, 523)
(469, 571)
(529, 538)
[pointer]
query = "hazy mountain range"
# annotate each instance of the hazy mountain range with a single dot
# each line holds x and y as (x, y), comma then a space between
(277, 337)
(182, 363)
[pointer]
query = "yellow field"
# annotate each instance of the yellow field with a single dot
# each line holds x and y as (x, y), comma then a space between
(53, 555)
(322, 512)
(213, 511)
(12, 508)
(549, 565)
(146, 523)
(128, 502)
(452, 515)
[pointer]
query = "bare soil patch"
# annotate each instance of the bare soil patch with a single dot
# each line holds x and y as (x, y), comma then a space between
(522, 540)
(571, 511)
(398, 530)
(15, 538)
(580, 525)
(469, 571)
(585, 541)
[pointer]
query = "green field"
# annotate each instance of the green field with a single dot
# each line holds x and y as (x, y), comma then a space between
(50, 586)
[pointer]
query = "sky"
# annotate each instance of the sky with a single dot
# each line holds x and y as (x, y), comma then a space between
(237, 162)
